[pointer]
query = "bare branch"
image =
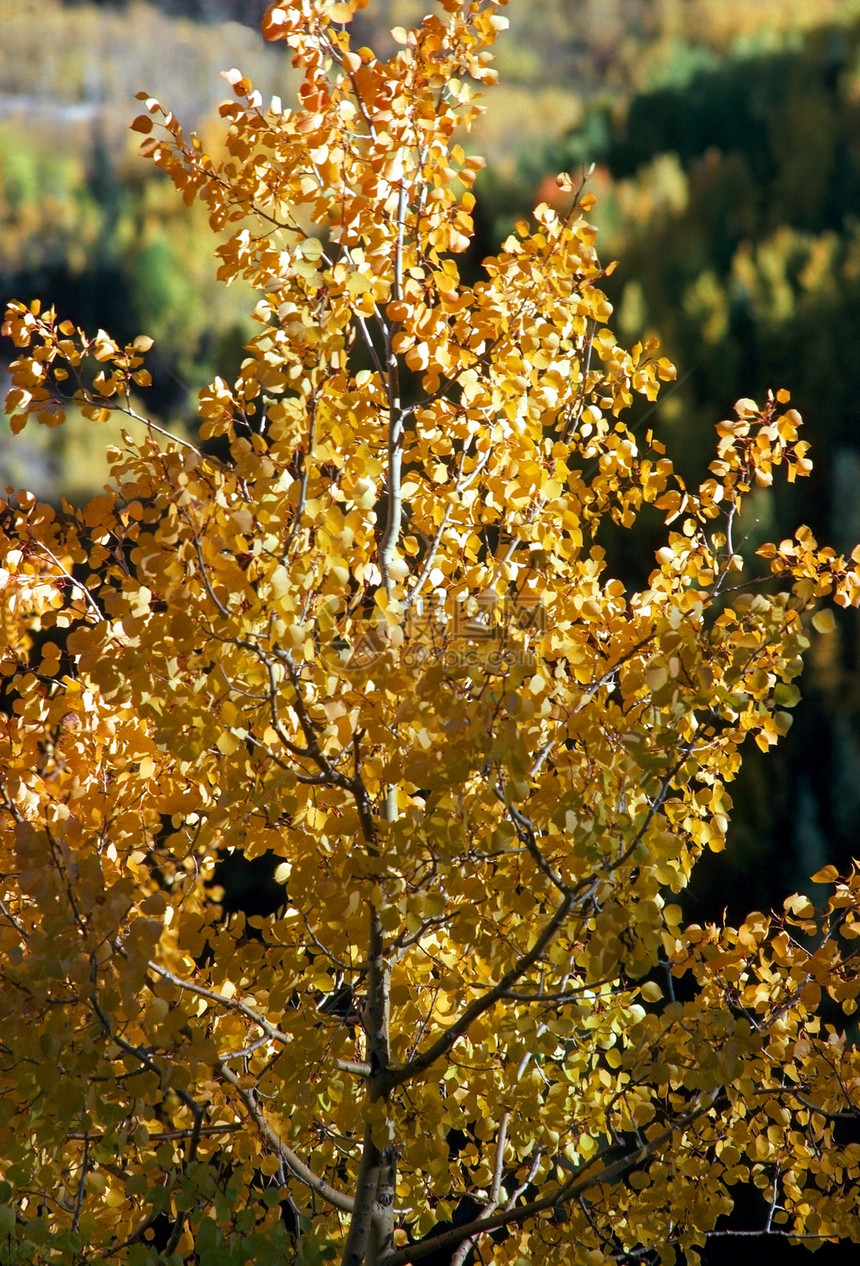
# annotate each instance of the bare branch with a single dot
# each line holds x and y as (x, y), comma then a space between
(159, 430)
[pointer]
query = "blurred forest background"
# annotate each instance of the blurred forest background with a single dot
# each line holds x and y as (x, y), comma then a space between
(726, 138)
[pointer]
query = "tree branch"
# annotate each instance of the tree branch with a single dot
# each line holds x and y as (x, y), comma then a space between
(338, 1199)
(443, 1044)
(578, 1183)
(458, 1258)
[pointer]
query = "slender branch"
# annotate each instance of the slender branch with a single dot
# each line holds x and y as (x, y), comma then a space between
(394, 517)
(163, 1136)
(459, 1256)
(406, 940)
(145, 1059)
(540, 758)
(324, 950)
(563, 995)
(160, 430)
(773, 1204)
(610, 672)
(319, 1185)
(654, 807)
(329, 775)
(82, 1185)
(190, 1156)
(213, 597)
(730, 553)
(785, 1235)
(586, 474)
(427, 566)
(311, 738)
(569, 430)
(361, 322)
(529, 1178)
(245, 1051)
(585, 1177)
(304, 472)
(447, 1039)
(526, 834)
(463, 482)
(197, 1110)
(229, 1004)
(90, 600)
(7, 914)
(272, 1033)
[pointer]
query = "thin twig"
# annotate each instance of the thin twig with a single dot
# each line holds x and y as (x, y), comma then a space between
(91, 602)
(460, 1254)
(82, 1186)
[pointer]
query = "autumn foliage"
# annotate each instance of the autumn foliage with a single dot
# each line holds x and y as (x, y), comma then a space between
(364, 627)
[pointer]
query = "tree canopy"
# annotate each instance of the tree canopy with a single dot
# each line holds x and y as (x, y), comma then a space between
(363, 626)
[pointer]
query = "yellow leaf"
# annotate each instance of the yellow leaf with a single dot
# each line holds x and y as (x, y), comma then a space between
(824, 621)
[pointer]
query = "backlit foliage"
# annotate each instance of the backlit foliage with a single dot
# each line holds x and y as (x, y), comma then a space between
(367, 628)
